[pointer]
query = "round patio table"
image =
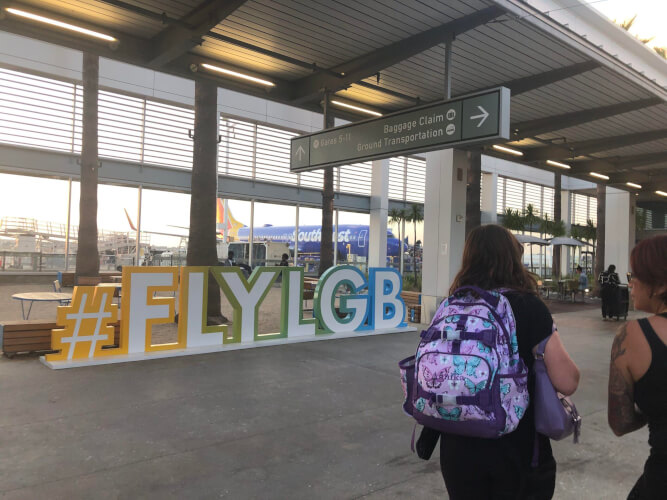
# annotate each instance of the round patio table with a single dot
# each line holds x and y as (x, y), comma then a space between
(32, 297)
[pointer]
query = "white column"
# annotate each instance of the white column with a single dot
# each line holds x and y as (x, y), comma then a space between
(377, 237)
(444, 225)
(619, 215)
(489, 198)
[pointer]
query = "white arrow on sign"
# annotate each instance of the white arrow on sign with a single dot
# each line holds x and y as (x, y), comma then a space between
(300, 152)
(483, 116)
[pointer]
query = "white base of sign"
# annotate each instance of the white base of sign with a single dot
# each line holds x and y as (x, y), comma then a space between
(144, 356)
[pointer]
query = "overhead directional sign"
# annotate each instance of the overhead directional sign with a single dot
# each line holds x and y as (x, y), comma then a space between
(476, 118)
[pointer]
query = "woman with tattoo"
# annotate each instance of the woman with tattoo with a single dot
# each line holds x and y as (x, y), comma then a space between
(638, 368)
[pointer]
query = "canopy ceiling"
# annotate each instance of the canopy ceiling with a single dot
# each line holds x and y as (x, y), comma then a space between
(571, 101)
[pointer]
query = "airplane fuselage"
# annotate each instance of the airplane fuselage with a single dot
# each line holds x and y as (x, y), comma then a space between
(351, 239)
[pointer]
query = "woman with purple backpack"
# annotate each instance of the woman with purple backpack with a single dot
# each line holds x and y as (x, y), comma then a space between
(520, 464)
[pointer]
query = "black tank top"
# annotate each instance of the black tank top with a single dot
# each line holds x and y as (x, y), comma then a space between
(651, 391)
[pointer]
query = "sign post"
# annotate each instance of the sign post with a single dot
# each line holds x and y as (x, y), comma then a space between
(473, 119)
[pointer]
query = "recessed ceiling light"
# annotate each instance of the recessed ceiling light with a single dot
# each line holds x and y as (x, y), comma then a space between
(356, 108)
(558, 164)
(600, 176)
(633, 185)
(238, 75)
(60, 24)
(505, 149)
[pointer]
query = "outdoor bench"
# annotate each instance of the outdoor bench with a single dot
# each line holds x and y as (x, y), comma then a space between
(413, 306)
(32, 336)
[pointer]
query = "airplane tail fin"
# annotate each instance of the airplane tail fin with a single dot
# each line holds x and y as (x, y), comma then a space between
(129, 220)
(233, 225)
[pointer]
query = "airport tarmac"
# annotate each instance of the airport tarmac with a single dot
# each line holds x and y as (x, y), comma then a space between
(317, 419)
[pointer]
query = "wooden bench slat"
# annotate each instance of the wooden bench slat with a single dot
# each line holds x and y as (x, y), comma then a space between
(29, 341)
(38, 334)
(19, 326)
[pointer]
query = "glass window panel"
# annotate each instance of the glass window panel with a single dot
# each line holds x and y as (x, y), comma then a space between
(514, 194)
(356, 178)
(273, 155)
(397, 178)
(166, 139)
(37, 111)
(416, 180)
(500, 197)
(534, 197)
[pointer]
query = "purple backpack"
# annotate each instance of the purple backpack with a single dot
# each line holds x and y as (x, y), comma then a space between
(467, 377)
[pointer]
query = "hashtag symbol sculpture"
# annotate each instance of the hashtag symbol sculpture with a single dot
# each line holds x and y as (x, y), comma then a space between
(86, 324)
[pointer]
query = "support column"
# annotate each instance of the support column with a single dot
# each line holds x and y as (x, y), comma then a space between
(566, 217)
(555, 256)
(473, 192)
(377, 235)
(600, 234)
(620, 208)
(444, 225)
(202, 241)
(489, 196)
(87, 256)
(326, 244)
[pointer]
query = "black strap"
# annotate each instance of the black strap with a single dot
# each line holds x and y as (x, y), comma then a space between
(651, 337)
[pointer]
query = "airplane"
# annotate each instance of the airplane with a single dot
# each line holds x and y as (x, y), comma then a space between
(352, 239)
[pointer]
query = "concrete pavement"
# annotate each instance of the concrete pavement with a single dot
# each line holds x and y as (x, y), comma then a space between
(318, 419)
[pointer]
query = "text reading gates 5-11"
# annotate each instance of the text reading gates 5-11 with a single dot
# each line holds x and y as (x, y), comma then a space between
(366, 306)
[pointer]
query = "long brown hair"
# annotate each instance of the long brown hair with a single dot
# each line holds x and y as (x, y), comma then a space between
(492, 259)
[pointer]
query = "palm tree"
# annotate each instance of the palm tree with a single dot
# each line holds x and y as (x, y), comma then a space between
(530, 218)
(415, 215)
(512, 220)
(396, 217)
(544, 226)
(87, 256)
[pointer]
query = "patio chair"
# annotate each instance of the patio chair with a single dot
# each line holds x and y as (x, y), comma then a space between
(58, 289)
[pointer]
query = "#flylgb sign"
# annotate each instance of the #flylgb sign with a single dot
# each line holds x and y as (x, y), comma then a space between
(368, 306)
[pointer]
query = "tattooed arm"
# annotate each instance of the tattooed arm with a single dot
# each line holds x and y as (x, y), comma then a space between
(621, 413)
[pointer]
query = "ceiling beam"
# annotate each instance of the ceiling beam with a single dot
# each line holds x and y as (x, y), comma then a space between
(639, 178)
(528, 83)
(178, 39)
(574, 149)
(303, 64)
(343, 75)
(641, 160)
(540, 126)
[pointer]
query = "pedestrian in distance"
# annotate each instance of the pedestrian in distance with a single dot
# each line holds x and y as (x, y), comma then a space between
(230, 259)
(583, 279)
(285, 260)
(609, 282)
(638, 366)
(520, 464)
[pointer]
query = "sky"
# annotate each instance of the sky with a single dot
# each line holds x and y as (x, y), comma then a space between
(651, 17)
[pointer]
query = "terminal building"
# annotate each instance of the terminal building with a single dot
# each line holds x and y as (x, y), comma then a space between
(587, 140)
